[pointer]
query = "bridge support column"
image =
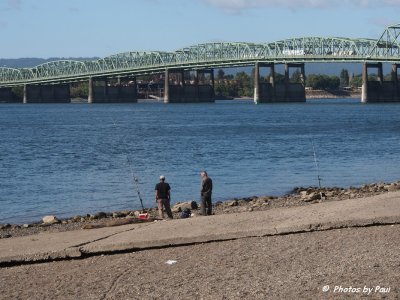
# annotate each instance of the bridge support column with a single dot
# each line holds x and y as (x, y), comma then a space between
(25, 94)
(287, 81)
(395, 80)
(166, 86)
(199, 91)
(257, 83)
(375, 91)
(90, 90)
(264, 92)
(121, 92)
(292, 91)
(57, 93)
(105, 85)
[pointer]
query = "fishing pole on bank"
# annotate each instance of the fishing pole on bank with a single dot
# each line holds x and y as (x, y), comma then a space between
(134, 178)
(316, 164)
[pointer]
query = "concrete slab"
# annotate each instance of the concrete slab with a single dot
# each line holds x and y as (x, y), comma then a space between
(51, 246)
(354, 212)
(382, 209)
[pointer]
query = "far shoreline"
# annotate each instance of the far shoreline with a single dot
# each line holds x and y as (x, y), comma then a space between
(316, 95)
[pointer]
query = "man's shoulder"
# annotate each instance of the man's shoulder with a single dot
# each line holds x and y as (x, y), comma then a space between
(166, 184)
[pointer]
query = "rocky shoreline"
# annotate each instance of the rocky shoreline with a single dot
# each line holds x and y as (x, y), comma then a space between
(335, 94)
(299, 196)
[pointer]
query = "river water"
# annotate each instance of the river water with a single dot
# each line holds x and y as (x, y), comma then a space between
(69, 159)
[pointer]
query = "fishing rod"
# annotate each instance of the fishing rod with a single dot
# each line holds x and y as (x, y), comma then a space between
(316, 164)
(316, 167)
(135, 179)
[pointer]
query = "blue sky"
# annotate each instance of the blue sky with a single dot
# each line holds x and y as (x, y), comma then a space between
(86, 28)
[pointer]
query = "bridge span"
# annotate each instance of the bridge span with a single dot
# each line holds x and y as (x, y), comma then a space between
(50, 82)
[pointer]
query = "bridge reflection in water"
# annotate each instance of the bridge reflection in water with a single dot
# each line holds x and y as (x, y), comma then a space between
(188, 73)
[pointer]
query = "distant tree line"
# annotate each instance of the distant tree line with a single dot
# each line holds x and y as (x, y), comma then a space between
(242, 84)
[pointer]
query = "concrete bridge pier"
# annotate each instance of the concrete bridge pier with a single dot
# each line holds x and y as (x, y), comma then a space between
(395, 80)
(292, 91)
(264, 92)
(270, 92)
(376, 91)
(57, 93)
(179, 90)
(121, 92)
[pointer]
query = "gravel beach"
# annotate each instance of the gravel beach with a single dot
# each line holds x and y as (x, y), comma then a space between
(359, 262)
(294, 266)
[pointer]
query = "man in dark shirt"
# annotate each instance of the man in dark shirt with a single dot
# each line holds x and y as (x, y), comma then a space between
(163, 197)
(205, 193)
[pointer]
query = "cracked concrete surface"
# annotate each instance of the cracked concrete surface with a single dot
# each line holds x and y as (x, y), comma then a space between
(381, 209)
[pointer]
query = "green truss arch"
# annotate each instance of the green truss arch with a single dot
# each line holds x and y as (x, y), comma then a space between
(213, 55)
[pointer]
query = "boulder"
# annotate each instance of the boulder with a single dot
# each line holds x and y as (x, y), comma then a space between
(232, 203)
(76, 219)
(119, 214)
(100, 215)
(391, 187)
(303, 194)
(312, 196)
(5, 226)
(50, 220)
(259, 202)
(180, 206)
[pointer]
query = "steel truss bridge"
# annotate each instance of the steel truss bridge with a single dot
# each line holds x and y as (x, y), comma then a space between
(213, 55)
